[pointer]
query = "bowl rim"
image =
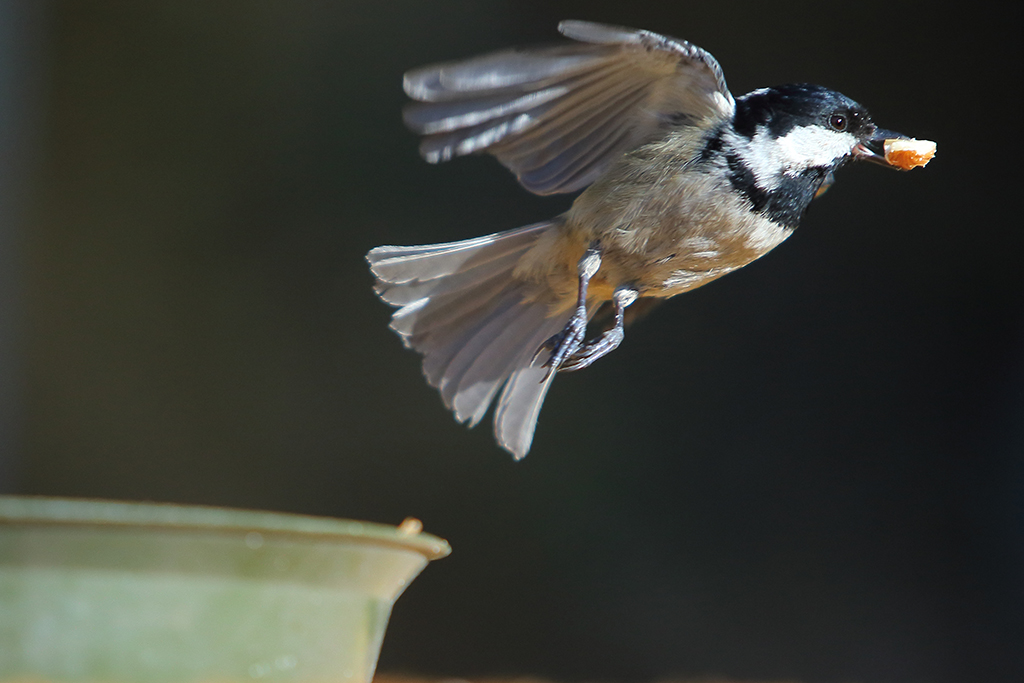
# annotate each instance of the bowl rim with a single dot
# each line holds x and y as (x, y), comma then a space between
(21, 510)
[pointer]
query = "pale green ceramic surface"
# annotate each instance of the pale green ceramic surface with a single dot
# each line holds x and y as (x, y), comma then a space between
(103, 591)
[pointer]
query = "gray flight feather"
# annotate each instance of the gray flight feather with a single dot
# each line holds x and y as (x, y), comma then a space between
(558, 116)
(460, 306)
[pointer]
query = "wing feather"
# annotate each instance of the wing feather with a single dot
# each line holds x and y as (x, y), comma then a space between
(578, 160)
(594, 104)
(558, 116)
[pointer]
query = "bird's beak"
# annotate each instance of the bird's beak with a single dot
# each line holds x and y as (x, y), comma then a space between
(873, 149)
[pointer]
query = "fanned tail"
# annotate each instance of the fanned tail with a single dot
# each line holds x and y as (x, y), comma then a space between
(461, 308)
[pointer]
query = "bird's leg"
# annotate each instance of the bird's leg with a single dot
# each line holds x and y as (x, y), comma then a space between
(607, 342)
(570, 339)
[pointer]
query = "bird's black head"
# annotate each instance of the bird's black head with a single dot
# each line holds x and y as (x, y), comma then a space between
(782, 108)
(785, 143)
(816, 127)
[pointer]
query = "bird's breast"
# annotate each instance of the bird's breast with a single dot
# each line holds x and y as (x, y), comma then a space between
(681, 233)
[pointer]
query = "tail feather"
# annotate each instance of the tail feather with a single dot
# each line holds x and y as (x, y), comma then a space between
(478, 331)
(444, 311)
(491, 334)
(441, 346)
(520, 402)
(406, 293)
(483, 376)
(398, 265)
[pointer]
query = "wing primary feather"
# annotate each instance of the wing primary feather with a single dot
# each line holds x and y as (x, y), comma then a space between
(531, 107)
(504, 70)
(541, 147)
(432, 118)
(435, 117)
(592, 32)
(447, 141)
(570, 113)
(583, 169)
(603, 34)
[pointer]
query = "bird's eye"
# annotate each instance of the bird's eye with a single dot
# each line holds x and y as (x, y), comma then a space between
(838, 122)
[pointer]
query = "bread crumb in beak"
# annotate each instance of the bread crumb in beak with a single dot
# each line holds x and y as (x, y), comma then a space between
(907, 154)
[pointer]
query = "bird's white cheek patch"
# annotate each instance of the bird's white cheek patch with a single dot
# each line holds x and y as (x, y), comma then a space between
(810, 146)
(769, 159)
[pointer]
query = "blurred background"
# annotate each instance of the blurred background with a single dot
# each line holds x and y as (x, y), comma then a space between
(812, 469)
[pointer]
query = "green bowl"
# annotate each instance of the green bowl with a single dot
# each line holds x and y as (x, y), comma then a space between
(128, 592)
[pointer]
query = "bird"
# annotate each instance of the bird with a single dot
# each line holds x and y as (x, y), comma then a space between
(679, 184)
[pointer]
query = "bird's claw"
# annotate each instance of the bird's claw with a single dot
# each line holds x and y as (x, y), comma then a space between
(569, 351)
(570, 339)
(566, 343)
(587, 353)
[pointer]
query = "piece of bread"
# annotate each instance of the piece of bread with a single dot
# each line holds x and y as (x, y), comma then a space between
(908, 154)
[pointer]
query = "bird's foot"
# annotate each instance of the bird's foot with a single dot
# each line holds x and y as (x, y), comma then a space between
(585, 354)
(570, 339)
(566, 343)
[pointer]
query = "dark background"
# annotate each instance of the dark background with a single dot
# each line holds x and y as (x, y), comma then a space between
(811, 469)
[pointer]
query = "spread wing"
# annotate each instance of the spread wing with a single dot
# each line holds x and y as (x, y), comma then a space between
(558, 116)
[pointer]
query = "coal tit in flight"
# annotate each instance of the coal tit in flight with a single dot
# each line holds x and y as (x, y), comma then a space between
(682, 183)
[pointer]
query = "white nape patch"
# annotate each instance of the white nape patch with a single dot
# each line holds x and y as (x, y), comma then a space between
(725, 105)
(801, 148)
